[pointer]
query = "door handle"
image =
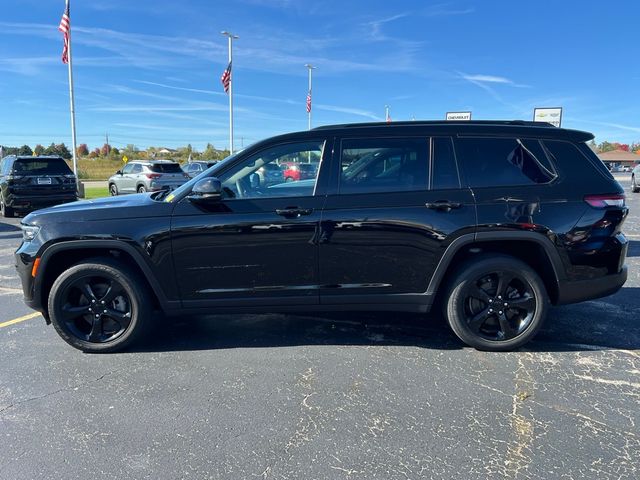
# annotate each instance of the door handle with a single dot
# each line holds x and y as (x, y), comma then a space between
(443, 205)
(292, 212)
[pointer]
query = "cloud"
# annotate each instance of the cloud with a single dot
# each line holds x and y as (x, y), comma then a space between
(351, 111)
(445, 10)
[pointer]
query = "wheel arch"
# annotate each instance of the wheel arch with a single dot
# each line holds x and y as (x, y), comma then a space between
(535, 250)
(57, 258)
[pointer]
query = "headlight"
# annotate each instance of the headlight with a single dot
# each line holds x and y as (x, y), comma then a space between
(29, 232)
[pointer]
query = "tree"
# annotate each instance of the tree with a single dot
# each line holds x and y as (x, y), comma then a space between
(623, 146)
(104, 151)
(82, 150)
(606, 147)
(51, 150)
(96, 152)
(38, 150)
(25, 150)
(63, 151)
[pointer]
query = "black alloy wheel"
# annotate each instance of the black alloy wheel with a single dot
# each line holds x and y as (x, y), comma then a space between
(496, 303)
(99, 306)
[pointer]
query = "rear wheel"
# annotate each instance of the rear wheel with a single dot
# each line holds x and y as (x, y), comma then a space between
(99, 306)
(141, 189)
(496, 303)
(635, 188)
(6, 212)
(113, 190)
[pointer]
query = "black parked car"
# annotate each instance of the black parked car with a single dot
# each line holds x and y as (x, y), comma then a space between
(29, 183)
(491, 222)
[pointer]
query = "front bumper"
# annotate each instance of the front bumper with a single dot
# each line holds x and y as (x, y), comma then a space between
(579, 291)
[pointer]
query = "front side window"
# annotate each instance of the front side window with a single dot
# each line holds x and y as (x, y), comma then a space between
(262, 175)
(501, 162)
(127, 168)
(137, 168)
(384, 165)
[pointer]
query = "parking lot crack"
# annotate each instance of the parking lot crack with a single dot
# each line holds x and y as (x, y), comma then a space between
(55, 392)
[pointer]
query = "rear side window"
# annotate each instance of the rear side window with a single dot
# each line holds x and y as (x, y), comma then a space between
(384, 165)
(498, 162)
(573, 156)
(165, 168)
(137, 168)
(444, 172)
(41, 166)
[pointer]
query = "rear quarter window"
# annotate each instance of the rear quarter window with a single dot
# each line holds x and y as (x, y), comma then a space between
(572, 157)
(502, 162)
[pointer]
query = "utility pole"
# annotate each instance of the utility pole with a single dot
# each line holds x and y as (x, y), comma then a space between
(310, 68)
(231, 38)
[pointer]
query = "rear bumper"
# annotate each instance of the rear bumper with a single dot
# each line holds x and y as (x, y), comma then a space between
(574, 292)
(34, 202)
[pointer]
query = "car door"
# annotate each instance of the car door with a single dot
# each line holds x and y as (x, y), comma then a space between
(123, 182)
(258, 244)
(393, 207)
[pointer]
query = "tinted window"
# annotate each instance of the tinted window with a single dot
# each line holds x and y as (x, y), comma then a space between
(568, 154)
(495, 162)
(40, 166)
(260, 175)
(384, 165)
(444, 173)
(165, 168)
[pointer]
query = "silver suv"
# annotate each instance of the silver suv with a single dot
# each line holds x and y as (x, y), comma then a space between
(141, 176)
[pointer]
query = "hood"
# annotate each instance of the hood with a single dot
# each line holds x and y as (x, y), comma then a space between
(109, 208)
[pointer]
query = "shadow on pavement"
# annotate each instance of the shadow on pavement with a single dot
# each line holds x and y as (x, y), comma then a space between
(607, 323)
(279, 330)
(634, 249)
(8, 227)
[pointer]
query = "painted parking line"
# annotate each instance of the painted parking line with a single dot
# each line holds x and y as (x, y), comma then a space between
(20, 319)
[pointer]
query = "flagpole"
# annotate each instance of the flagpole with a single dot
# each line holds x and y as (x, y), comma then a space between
(72, 108)
(231, 37)
(310, 68)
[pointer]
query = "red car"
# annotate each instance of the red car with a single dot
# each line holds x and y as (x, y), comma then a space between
(295, 171)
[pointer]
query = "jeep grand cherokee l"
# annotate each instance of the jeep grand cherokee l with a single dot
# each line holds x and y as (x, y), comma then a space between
(29, 183)
(489, 222)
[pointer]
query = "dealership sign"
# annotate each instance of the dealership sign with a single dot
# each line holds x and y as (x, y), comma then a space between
(458, 116)
(549, 115)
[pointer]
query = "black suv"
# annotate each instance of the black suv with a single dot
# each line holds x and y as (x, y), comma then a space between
(29, 183)
(492, 222)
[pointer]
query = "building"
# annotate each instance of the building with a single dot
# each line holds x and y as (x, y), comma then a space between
(616, 159)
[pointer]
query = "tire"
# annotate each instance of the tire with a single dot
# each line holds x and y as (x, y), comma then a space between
(473, 293)
(84, 322)
(141, 189)
(113, 190)
(7, 212)
(288, 179)
(635, 188)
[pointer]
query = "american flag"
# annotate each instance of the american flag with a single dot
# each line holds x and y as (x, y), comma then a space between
(309, 102)
(226, 78)
(65, 28)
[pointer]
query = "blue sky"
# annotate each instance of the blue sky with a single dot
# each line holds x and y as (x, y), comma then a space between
(148, 72)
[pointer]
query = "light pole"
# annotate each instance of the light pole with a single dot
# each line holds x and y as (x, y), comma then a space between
(310, 68)
(386, 114)
(231, 38)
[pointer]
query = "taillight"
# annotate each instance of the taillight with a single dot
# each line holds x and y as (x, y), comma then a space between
(151, 176)
(604, 201)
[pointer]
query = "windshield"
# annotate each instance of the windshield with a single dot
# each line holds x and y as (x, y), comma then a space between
(179, 192)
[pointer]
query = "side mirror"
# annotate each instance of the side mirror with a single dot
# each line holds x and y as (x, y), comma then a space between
(119, 172)
(207, 190)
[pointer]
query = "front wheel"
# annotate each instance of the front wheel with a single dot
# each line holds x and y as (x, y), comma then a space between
(99, 306)
(496, 303)
(142, 189)
(113, 190)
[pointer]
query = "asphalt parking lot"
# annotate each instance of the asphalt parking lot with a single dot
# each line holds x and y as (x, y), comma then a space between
(341, 396)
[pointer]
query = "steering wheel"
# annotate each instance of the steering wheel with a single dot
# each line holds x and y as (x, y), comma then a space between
(239, 188)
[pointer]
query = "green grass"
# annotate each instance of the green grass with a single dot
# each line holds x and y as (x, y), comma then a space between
(95, 192)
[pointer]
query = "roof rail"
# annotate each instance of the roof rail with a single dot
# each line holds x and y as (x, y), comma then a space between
(437, 122)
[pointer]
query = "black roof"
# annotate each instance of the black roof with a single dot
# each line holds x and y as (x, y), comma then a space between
(467, 127)
(32, 157)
